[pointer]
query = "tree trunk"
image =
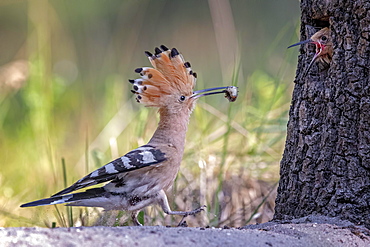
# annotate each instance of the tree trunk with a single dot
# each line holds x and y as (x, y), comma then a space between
(325, 168)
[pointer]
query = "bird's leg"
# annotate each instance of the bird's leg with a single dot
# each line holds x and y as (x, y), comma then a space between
(134, 219)
(163, 202)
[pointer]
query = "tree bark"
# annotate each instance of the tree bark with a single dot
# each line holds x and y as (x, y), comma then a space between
(325, 168)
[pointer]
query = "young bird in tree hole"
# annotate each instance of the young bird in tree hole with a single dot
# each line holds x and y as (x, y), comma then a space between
(141, 177)
(324, 48)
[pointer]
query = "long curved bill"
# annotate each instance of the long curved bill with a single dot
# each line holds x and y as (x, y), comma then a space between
(301, 43)
(317, 54)
(231, 92)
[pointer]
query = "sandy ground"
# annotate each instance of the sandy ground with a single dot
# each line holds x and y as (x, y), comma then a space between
(305, 232)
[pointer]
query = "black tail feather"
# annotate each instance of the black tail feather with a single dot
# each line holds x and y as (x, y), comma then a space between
(91, 193)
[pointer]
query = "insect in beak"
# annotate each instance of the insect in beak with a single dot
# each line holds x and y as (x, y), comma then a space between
(231, 92)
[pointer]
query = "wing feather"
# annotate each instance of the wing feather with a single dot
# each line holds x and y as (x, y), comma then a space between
(143, 156)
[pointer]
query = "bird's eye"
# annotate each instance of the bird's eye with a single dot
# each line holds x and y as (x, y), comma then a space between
(324, 38)
(182, 98)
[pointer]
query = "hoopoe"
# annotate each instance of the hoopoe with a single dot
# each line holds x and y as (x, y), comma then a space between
(141, 177)
(324, 47)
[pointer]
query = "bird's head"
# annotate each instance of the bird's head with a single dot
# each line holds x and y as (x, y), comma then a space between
(170, 84)
(324, 46)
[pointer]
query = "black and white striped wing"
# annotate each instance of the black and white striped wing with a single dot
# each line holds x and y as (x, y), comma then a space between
(143, 156)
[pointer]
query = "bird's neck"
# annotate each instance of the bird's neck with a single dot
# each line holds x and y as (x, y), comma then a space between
(171, 129)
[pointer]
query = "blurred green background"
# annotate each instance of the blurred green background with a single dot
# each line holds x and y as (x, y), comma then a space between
(64, 94)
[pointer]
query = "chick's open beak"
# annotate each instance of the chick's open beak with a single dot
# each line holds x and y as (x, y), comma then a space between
(319, 49)
(301, 43)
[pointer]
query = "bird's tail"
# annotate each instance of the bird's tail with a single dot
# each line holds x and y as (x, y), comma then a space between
(70, 198)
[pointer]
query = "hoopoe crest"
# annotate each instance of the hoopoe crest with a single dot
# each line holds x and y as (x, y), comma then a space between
(324, 47)
(141, 177)
(170, 81)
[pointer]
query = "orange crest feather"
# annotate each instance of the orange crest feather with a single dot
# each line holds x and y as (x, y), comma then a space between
(170, 74)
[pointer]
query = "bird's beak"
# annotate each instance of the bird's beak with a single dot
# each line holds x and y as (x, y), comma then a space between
(301, 43)
(319, 46)
(231, 92)
(319, 49)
